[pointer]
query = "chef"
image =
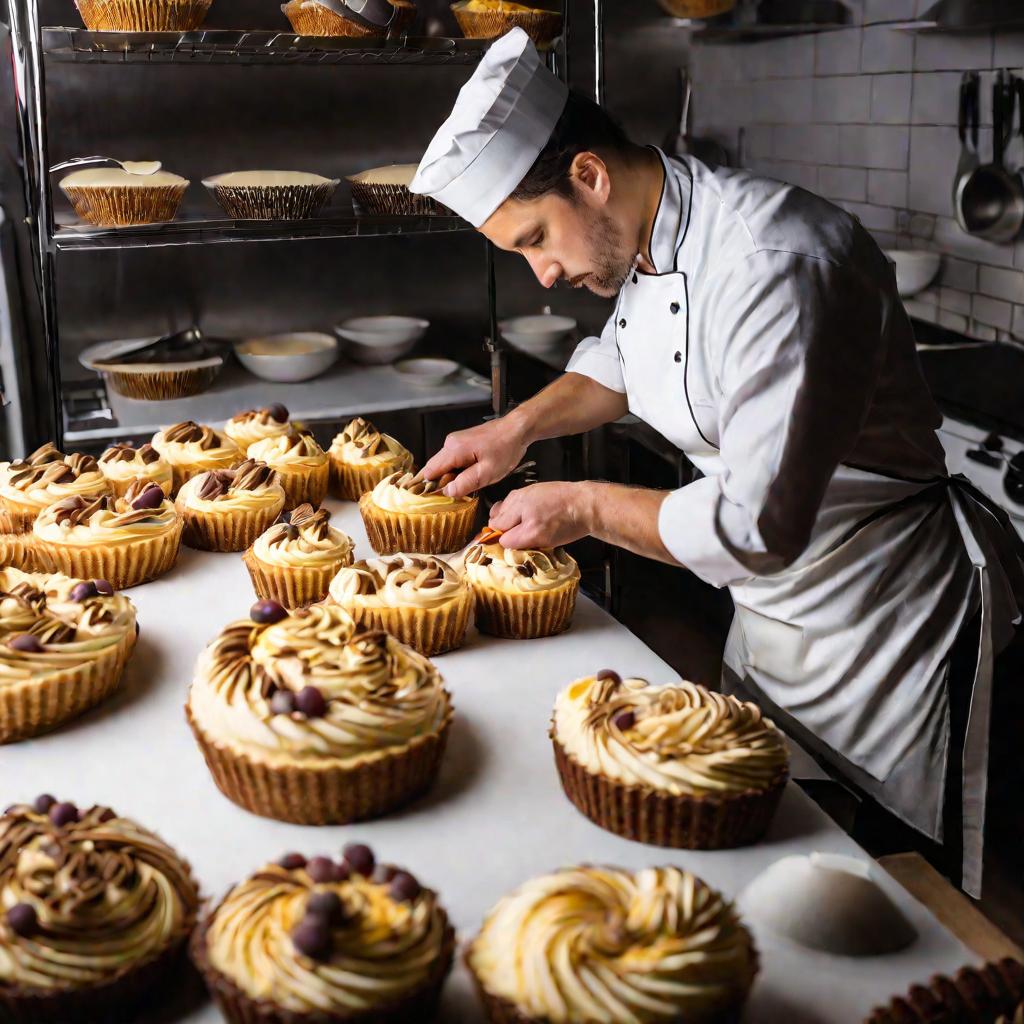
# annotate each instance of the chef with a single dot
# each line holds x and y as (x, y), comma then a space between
(759, 329)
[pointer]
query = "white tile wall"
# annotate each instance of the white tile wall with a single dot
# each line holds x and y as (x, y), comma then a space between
(866, 116)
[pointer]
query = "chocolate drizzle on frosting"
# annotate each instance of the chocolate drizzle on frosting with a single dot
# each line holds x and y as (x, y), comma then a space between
(190, 432)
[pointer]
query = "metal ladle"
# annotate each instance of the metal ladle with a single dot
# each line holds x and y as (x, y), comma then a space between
(967, 127)
(375, 15)
(141, 167)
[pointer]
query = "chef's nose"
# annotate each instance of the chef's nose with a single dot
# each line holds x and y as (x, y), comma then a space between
(546, 270)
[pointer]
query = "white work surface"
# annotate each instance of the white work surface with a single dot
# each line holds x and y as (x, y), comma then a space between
(496, 817)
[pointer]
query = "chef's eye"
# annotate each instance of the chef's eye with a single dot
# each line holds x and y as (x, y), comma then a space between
(537, 240)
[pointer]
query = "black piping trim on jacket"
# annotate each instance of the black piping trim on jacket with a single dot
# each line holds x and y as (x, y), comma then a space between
(686, 367)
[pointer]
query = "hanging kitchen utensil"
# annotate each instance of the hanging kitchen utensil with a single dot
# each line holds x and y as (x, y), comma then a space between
(992, 198)
(967, 125)
(141, 167)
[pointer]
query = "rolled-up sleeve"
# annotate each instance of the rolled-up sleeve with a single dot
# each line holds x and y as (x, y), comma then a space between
(598, 359)
(797, 351)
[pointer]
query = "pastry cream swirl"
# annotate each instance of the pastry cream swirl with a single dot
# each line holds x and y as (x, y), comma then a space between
(397, 581)
(362, 444)
(189, 444)
(402, 492)
(103, 521)
(289, 451)
(251, 486)
(123, 462)
(597, 945)
(306, 539)
(681, 738)
(491, 565)
(246, 428)
(47, 476)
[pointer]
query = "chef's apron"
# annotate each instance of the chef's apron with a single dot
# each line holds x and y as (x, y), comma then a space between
(841, 595)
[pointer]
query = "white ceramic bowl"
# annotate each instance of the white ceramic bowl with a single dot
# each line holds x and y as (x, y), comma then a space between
(287, 358)
(539, 333)
(381, 339)
(427, 372)
(915, 269)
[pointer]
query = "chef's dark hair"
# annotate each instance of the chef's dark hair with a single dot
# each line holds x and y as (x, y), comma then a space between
(584, 127)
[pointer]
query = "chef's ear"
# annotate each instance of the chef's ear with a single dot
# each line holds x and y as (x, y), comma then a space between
(590, 178)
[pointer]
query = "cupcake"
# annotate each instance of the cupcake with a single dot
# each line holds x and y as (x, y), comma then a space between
(603, 944)
(246, 428)
(669, 765)
(146, 16)
(126, 541)
(419, 599)
(19, 551)
(192, 449)
(303, 719)
(63, 646)
(404, 513)
(384, 191)
(111, 197)
(96, 914)
(340, 942)
(488, 19)
(522, 594)
(27, 486)
(227, 509)
(122, 464)
(294, 562)
(309, 18)
(361, 456)
(302, 466)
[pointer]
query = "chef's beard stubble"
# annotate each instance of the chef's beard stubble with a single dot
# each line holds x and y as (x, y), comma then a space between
(611, 263)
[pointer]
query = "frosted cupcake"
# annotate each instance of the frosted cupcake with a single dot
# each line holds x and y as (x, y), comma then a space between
(126, 541)
(192, 449)
(419, 599)
(227, 509)
(302, 466)
(302, 719)
(404, 513)
(293, 562)
(28, 485)
(361, 456)
(63, 646)
(522, 594)
(341, 941)
(668, 765)
(121, 464)
(246, 428)
(603, 945)
(96, 914)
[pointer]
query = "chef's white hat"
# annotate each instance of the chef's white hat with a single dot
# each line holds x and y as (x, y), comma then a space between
(502, 120)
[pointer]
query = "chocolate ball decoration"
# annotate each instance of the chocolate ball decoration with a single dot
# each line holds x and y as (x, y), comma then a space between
(22, 919)
(291, 861)
(83, 591)
(312, 937)
(607, 673)
(327, 906)
(310, 701)
(152, 497)
(404, 888)
(64, 813)
(320, 869)
(26, 643)
(359, 857)
(266, 613)
(278, 412)
(624, 720)
(103, 587)
(43, 803)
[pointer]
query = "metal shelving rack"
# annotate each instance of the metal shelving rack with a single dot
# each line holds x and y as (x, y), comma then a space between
(35, 45)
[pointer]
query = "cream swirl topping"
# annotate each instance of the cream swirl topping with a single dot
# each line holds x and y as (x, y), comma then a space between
(142, 513)
(397, 581)
(64, 632)
(405, 492)
(96, 897)
(246, 428)
(306, 539)
(294, 450)
(681, 738)
(251, 486)
(380, 948)
(361, 443)
(189, 444)
(491, 565)
(47, 476)
(602, 945)
(376, 693)
(123, 462)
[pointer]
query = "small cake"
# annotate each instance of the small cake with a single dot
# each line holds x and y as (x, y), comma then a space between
(361, 456)
(303, 719)
(246, 428)
(589, 944)
(227, 509)
(63, 646)
(111, 197)
(309, 18)
(293, 562)
(384, 191)
(671, 765)
(126, 541)
(122, 464)
(405, 513)
(302, 466)
(192, 449)
(28, 485)
(340, 942)
(488, 19)
(419, 599)
(522, 595)
(96, 913)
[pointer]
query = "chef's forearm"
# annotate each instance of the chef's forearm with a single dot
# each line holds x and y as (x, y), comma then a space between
(624, 516)
(572, 404)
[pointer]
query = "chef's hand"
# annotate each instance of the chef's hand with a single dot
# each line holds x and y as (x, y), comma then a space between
(484, 454)
(542, 516)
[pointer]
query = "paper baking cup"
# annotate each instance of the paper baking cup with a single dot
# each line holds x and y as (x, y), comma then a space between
(696, 8)
(272, 202)
(232, 530)
(292, 586)
(17, 516)
(315, 20)
(238, 1008)
(143, 15)
(304, 485)
(649, 816)
(329, 795)
(350, 482)
(161, 385)
(114, 207)
(427, 630)
(393, 201)
(975, 995)
(34, 706)
(543, 27)
(20, 551)
(430, 533)
(525, 616)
